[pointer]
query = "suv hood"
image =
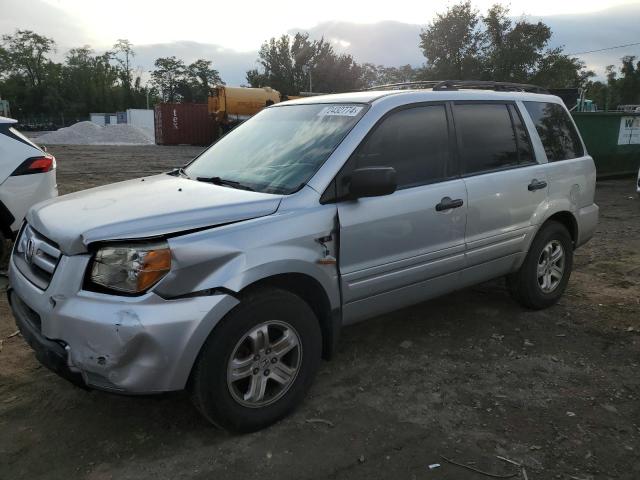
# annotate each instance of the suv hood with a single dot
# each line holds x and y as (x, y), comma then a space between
(144, 207)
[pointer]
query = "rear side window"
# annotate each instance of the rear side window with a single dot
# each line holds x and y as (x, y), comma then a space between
(414, 141)
(487, 137)
(556, 130)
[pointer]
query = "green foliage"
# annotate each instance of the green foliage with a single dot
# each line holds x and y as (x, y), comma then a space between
(25, 53)
(177, 82)
(453, 44)
(123, 54)
(461, 44)
(372, 75)
(201, 76)
(90, 82)
(295, 64)
(623, 89)
(168, 77)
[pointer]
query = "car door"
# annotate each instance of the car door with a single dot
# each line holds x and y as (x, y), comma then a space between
(402, 248)
(506, 187)
(570, 170)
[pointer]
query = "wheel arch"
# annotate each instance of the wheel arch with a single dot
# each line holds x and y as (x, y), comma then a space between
(566, 218)
(314, 294)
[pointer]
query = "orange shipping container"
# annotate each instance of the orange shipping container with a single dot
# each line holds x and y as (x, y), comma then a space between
(184, 124)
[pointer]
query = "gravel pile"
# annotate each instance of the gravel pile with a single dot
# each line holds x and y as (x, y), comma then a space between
(89, 133)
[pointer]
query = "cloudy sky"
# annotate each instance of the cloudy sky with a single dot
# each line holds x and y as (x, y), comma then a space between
(229, 33)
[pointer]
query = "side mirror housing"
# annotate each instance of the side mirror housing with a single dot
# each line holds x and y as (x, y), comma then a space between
(372, 182)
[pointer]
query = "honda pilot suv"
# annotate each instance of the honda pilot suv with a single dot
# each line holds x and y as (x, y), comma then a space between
(233, 276)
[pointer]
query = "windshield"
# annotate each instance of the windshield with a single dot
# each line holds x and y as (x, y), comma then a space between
(279, 149)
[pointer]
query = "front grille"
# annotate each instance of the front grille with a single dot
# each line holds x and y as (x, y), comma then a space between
(36, 257)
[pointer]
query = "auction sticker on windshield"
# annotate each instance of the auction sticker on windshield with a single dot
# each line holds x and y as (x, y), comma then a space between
(340, 110)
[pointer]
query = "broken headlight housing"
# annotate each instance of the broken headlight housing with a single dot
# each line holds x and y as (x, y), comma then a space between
(130, 268)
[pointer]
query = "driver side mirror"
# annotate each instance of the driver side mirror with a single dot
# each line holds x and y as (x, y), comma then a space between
(372, 182)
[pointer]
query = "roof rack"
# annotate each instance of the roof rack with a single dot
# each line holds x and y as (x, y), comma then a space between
(405, 85)
(449, 85)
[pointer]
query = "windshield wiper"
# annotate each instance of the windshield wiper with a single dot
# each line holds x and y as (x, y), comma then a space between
(225, 182)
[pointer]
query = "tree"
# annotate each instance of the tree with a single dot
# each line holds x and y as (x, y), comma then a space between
(295, 64)
(453, 42)
(376, 75)
(629, 84)
(84, 82)
(463, 45)
(123, 53)
(623, 89)
(512, 52)
(202, 76)
(557, 70)
(168, 77)
(176, 82)
(276, 59)
(25, 52)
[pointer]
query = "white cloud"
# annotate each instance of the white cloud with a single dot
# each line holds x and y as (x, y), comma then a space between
(243, 25)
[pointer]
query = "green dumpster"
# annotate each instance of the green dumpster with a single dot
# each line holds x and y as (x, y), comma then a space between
(612, 139)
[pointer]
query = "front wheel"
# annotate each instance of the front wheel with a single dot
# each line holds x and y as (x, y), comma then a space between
(545, 272)
(257, 364)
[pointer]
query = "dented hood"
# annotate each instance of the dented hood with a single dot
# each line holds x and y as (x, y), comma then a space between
(144, 207)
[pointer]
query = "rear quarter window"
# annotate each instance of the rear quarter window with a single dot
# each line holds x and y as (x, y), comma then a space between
(556, 130)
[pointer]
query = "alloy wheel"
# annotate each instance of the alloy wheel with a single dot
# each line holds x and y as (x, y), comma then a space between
(550, 268)
(264, 364)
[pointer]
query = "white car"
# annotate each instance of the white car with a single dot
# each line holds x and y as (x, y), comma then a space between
(27, 176)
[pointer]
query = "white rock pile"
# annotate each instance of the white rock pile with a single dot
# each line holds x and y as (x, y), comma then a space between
(89, 133)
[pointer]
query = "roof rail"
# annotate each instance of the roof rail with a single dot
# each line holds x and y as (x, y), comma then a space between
(400, 85)
(448, 85)
(489, 85)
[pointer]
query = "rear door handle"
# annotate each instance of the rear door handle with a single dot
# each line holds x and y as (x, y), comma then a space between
(447, 204)
(537, 185)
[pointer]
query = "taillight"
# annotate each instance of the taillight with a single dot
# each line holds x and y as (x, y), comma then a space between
(42, 164)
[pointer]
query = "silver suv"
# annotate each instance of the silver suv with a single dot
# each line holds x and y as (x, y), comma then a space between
(233, 276)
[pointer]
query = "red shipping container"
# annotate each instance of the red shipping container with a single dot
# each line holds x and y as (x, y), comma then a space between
(184, 124)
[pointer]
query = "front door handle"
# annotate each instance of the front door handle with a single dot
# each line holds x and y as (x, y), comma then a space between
(537, 185)
(447, 204)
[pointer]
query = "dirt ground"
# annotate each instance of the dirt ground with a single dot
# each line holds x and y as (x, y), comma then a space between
(470, 376)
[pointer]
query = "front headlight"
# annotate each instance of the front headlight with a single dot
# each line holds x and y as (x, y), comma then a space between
(131, 267)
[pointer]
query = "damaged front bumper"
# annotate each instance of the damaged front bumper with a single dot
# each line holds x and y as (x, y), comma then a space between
(131, 345)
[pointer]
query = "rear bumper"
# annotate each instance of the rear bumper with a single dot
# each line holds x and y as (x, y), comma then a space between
(587, 223)
(131, 345)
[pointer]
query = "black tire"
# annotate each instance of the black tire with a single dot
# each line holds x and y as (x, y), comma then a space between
(4, 251)
(524, 285)
(208, 386)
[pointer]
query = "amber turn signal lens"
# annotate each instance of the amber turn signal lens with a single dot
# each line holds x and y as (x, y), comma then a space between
(155, 265)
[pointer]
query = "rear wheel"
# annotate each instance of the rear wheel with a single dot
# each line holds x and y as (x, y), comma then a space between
(258, 362)
(545, 272)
